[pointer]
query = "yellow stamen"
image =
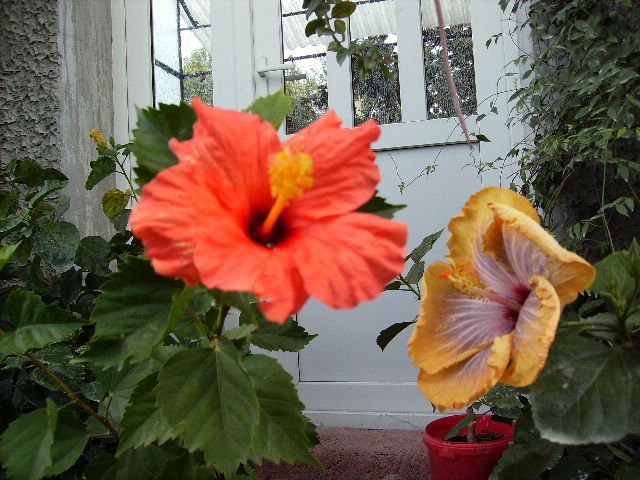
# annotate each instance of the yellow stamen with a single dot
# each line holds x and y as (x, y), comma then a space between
(467, 284)
(290, 174)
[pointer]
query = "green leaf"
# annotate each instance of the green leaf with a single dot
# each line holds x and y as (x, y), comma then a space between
(390, 333)
(503, 400)
(272, 108)
(208, 398)
(528, 456)
(69, 440)
(48, 187)
(93, 255)
(425, 246)
(415, 273)
(612, 276)
(120, 220)
(6, 253)
(287, 337)
(151, 136)
(25, 448)
(141, 463)
(100, 169)
(114, 201)
(142, 423)
(131, 315)
(379, 206)
(470, 417)
(281, 431)
(343, 9)
(30, 173)
(313, 25)
(57, 244)
(340, 26)
(37, 324)
(587, 393)
(481, 138)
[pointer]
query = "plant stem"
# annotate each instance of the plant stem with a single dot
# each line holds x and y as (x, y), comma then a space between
(222, 315)
(72, 395)
(604, 214)
(411, 287)
(471, 428)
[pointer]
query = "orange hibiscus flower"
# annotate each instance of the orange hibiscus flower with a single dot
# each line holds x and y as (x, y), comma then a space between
(491, 314)
(242, 211)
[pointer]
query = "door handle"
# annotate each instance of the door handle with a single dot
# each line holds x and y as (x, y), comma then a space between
(275, 68)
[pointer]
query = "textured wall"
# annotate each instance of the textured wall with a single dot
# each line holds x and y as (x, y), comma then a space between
(86, 102)
(55, 86)
(29, 79)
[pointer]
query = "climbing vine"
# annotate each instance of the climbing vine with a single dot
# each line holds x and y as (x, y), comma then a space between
(580, 99)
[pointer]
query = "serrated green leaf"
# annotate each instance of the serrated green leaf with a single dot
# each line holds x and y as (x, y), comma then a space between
(528, 456)
(390, 333)
(30, 173)
(142, 423)
(208, 398)
(503, 400)
(115, 201)
(272, 108)
(237, 333)
(25, 448)
(69, 440)
(587, 393)
(6, 253)
(120, 220)
(281, 430)
(379, 206)
(286, 337)
(48, 187)
(93, 255)
(100, 169)
(131, 315)
(613, 277)
(141, 463)
(57, 244)
(415, 273)
(151, 136)
(425, 246)
(37, 324)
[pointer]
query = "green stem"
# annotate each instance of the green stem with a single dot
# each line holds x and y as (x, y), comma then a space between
(582, 324)
(126, 176)
(411, 287)
(604, 214)
(72, 395)
(222, 315)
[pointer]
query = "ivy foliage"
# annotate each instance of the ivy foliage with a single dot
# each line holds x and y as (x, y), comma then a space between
(580, 97)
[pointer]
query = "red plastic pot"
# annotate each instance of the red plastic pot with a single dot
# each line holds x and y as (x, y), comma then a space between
(462, 460)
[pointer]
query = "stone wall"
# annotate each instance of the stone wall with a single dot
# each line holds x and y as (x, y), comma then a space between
(55, 86)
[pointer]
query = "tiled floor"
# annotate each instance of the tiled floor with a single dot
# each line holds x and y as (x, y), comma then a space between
(359, 454)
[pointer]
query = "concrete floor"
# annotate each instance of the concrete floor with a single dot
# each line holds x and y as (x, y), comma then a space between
(359, 454)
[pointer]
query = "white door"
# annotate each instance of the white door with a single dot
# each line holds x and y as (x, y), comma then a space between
(343, 377)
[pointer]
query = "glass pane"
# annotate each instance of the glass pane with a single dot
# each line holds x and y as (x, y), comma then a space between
(306, 84)
(376, 95)
(457, 19)
(181, 51)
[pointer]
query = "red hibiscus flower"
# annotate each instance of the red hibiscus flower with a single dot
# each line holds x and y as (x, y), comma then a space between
(242, 211)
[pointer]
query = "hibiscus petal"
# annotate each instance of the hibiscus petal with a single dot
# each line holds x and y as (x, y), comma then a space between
(474, 219)
(348, 259)
(177, 208)
(344, 171)
(238, 144)
(530, 251)
(460, 384)
(452, 327)
(534, 333)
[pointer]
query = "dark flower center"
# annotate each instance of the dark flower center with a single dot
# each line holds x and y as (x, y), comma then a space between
(256, 232)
